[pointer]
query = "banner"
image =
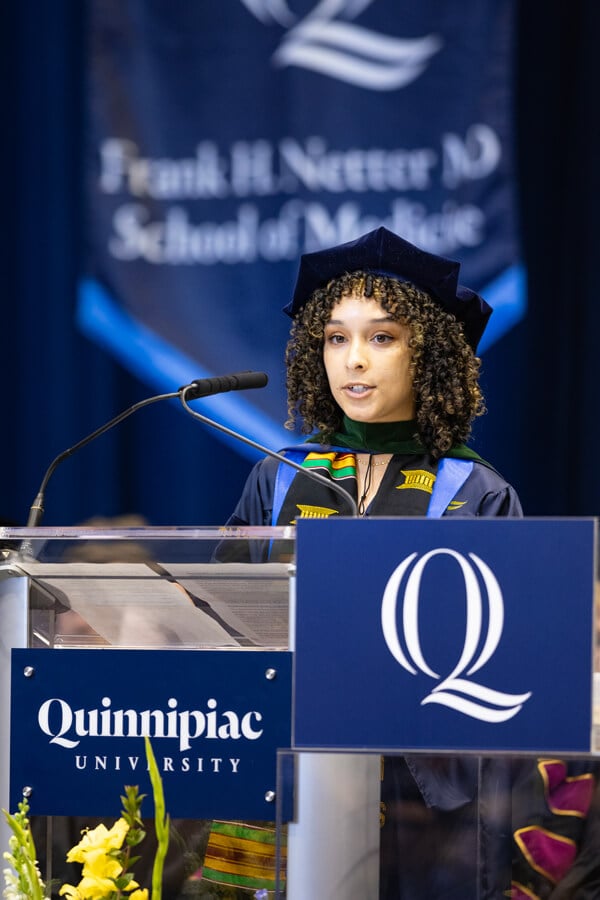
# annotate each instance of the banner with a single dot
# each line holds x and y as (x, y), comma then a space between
(226, 139)
(469, 635)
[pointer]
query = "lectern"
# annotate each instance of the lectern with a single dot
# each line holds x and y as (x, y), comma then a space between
(107, 635)
(278, 671)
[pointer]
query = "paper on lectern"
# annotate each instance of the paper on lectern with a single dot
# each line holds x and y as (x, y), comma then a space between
(166, 605)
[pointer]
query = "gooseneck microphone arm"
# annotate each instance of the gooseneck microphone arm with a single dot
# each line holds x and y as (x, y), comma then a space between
(184, 395)
(201, 387)
(37, 508)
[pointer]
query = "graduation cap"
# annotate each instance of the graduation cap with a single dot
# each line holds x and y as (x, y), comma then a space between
(384, 253)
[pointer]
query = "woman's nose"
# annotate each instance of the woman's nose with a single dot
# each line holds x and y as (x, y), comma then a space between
(357, 358)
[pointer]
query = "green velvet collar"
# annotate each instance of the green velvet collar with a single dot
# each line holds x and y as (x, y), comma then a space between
(385, 437)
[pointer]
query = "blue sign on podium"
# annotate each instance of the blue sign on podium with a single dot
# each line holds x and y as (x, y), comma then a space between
(431, 634)
(215, 720)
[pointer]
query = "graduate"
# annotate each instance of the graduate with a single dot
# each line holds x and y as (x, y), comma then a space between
(383, 378)
(381, 365)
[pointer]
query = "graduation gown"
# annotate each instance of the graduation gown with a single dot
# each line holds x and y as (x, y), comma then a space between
(406, 489)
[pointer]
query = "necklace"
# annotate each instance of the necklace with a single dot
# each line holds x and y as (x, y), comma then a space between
(367, 465)
(371, 462)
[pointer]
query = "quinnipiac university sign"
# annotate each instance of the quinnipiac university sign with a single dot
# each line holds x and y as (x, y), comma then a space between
(215, 721)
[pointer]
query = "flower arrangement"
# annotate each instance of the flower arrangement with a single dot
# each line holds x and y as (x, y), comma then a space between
(25, 881)
(105, 854)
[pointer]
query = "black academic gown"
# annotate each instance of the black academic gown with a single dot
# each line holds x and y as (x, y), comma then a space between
(484, 493)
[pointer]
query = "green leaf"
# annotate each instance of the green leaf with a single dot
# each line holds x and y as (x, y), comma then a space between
(135, 836)
(161, 822)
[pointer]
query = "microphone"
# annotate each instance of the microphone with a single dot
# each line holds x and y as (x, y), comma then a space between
(310, 473)
(242, 381)
(238, 382)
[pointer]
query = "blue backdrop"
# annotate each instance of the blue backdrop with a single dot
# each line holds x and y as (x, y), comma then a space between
(540, 375)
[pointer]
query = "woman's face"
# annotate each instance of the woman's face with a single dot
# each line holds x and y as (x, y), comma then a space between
(367, 361)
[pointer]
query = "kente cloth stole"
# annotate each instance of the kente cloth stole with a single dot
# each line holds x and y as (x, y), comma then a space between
(412, 486)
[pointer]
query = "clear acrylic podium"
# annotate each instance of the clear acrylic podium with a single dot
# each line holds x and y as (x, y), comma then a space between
(177, 590)
(197, 589)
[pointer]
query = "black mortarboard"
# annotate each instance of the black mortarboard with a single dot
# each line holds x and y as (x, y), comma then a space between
(384, 253)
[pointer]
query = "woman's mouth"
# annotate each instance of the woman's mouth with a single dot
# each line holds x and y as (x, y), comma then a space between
(357, 389)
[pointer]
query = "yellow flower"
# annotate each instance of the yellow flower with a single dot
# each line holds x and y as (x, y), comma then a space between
(102, 867)
(96, 888)
(71, 892)
(99, 842)
(91, 888)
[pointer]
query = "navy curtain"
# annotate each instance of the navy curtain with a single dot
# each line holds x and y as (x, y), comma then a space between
(540, 380)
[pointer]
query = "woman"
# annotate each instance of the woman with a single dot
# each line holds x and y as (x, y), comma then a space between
(381, 363)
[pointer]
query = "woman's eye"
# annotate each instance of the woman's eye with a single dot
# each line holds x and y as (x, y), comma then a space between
(382, 338)
(335, 338)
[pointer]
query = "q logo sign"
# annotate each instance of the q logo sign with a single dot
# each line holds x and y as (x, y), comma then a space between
(456, 690)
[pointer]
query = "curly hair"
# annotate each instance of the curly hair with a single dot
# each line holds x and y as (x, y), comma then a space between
(445, 370)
